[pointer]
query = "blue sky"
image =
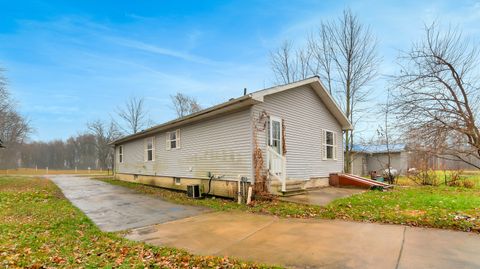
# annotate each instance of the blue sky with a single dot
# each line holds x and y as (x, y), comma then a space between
(69, 62)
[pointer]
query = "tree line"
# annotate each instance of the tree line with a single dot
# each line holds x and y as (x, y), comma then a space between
(90, 149)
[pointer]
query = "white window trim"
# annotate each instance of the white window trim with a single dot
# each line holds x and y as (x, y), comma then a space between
(145, 156)
(324, 145)
(120, 154)
(168, 141)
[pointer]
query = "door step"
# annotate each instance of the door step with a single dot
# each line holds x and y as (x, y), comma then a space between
(294, 190)
(293, 187)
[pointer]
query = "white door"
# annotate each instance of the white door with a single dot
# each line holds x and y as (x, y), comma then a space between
(276, 160)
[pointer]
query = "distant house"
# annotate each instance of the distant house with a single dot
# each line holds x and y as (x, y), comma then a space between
(374, 157)
(368, 158)
(290, 134)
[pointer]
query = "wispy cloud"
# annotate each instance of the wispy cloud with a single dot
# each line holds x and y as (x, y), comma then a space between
(162, 51)
(53, 109)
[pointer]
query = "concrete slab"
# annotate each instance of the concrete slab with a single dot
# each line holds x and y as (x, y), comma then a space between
(300, 243)
(322, 196)
(431, 248)
(322, 244)
(207, 234)
(115, 208)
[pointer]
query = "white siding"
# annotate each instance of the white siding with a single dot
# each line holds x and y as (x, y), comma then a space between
(220, 145)
(359, 164)
(305, 116)
(379, 161)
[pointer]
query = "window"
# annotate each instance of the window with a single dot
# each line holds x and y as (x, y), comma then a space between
(330, 145)
(275, 134)
(120, 154)
(173, 140)
(149, 149)
(176, 180)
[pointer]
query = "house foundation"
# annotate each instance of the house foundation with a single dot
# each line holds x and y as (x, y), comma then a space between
(219, 187)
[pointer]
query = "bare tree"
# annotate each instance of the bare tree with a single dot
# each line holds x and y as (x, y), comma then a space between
(354, 55)
(184, 104)
(344, 54)
(133, 115)
(322, 54)
(438, 94)
(289, 64)
(387, 136)
(104, 134)
(14, 128)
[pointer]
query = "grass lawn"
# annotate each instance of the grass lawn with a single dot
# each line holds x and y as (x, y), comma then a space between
(439, 207)
(39, 228)
(441, 175)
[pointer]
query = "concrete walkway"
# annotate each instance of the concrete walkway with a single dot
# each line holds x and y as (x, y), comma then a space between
(293, 243)
(115, 208)
(315, 243)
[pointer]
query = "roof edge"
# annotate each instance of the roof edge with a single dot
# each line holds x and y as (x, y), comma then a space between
(234, 104)
(320, 89)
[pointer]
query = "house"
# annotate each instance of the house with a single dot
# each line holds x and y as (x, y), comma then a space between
(374, 157)
(284, 136)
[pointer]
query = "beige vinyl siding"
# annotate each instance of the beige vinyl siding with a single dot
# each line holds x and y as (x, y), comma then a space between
(379, 161)
(220, 145)
(359, 164)
(305, 117)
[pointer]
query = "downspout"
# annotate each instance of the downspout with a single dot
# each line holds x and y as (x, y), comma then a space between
(239, 192)
(114, 160)
(210, 176)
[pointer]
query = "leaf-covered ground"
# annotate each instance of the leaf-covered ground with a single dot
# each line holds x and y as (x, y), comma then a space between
(39, 228)
(439, 207)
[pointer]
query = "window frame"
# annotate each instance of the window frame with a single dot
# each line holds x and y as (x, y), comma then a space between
(147, 150)
(334, 145)
(168, 140)
(120, 154)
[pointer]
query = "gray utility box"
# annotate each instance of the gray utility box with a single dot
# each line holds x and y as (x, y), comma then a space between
(193, 191)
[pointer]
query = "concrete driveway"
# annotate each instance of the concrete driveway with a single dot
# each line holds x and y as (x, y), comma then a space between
(300, 243)
(294, 243)
(115, 208)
